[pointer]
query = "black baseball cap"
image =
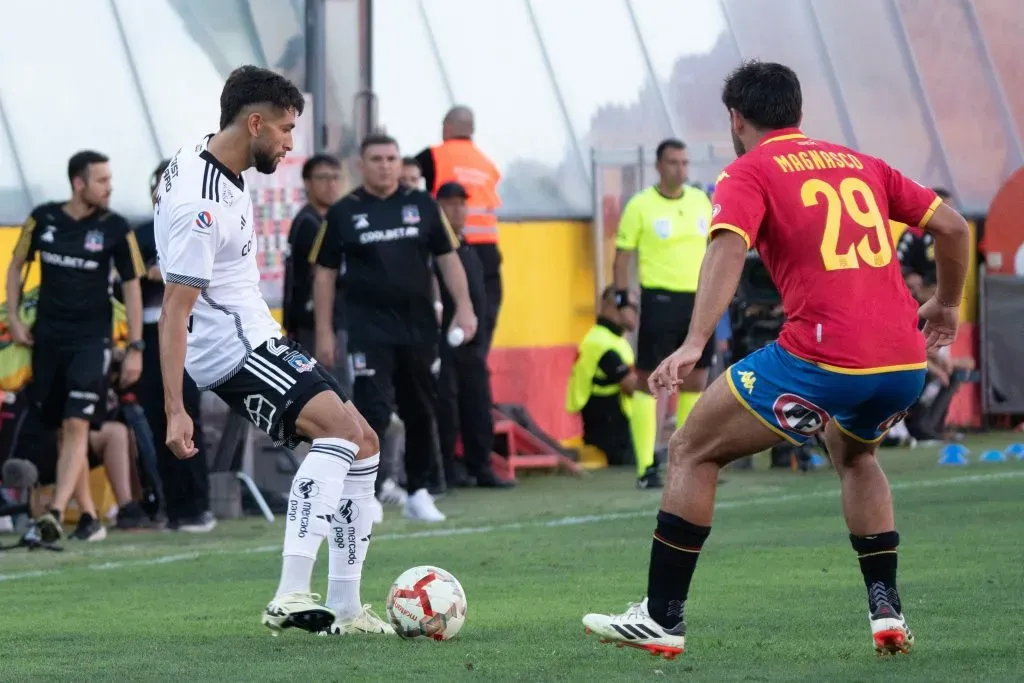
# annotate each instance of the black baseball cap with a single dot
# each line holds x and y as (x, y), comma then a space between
(451, 190)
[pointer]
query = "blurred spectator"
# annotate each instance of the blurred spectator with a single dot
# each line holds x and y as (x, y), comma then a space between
(412, 176)
(185, 483)
(80, 242)
(464, 392)
(385, 234)
(321, 174)
(458, 159)
(602, 383)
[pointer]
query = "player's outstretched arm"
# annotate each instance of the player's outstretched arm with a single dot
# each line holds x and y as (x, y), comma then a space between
(175, 311)
(952, 253)
(719, 276)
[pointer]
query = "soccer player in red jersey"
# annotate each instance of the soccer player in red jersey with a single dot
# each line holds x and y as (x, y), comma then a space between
(850, 359)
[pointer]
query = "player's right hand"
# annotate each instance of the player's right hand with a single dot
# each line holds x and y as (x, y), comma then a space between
(20, 333)
(326, 348)
(673, 370)
(940, 323)
(179, 435)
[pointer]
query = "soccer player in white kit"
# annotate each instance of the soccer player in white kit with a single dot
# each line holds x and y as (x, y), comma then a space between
(215, 324)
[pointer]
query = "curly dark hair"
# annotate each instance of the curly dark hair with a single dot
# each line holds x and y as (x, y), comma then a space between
(249, 85)
(766, 94)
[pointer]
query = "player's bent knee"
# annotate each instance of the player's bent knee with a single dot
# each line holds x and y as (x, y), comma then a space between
(326, 417)
(370, 445)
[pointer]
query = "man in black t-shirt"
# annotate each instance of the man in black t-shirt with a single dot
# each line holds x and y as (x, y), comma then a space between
(321, 175)
(464, 391)
(185, 483)
(79, 242)
(382, 236)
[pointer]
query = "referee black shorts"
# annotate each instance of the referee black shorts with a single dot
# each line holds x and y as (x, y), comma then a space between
(664, 320)
(276, 382)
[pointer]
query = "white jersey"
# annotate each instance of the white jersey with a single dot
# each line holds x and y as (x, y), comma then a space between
(205, 238)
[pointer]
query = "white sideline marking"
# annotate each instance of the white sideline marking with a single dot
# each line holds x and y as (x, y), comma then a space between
(558, 522)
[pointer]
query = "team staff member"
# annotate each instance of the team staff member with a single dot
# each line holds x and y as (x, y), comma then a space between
(458, 159)
(464, 394)
(186, 483)
(321, 175)
(603, 382)
(666, 228)
(412, 176)
(79, 242)
(385, 235)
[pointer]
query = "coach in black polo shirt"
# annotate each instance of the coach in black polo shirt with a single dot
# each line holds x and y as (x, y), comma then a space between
(382, 236)
(79, 243)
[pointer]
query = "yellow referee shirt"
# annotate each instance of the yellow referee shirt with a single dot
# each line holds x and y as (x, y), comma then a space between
(670, 236)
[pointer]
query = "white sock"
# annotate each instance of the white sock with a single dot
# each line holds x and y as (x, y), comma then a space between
(349, 538)
(316, 488)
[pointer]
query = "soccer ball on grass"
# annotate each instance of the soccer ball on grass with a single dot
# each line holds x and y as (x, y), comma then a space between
(426, 602)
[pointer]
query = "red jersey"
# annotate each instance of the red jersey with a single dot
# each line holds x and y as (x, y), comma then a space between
(818, 214)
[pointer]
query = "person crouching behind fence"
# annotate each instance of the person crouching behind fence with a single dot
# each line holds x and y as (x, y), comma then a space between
(602, 383)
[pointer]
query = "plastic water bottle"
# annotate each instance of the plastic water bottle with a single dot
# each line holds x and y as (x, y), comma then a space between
(456, 336)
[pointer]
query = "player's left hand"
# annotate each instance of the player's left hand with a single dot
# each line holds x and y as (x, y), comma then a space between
(940, 323)
(673, 370)
(131, 368)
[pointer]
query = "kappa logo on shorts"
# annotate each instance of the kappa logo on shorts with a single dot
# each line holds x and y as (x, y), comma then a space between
(798, 414)
(892, 421)
(305, 489)
(357, 365)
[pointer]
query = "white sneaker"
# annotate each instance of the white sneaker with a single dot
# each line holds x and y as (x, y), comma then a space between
(299, 610)
(890, 632)
(391, 493)
(420, 506)
(635, 628)
(376, 510)
(366, 621)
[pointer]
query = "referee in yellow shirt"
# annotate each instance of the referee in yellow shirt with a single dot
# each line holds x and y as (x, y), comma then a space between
(666, 226)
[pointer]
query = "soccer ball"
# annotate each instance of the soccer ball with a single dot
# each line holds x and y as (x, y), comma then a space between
(426, 602)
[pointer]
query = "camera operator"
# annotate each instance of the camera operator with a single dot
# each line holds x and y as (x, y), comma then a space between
(384, 236)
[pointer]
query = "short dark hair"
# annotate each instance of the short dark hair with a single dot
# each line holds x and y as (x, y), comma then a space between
(765, 93)
(79, 163)
(249, 85)
(154, 179)
(943, 193)
(318, 160)
(411, 161)
(376, 139)
(670, 143)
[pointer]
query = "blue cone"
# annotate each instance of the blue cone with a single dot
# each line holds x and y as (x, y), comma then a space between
(993, 456)
(1015, 451)
(817, 461)
(953, 454)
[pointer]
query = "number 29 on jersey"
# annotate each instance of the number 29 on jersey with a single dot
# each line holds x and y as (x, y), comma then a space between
(852, 201)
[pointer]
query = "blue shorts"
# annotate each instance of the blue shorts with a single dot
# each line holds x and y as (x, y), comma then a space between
(795, 398)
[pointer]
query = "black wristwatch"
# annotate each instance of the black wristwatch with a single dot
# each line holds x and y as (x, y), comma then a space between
(137, 345)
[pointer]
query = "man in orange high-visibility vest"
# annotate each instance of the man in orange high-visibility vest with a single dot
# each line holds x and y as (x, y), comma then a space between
(458, 159)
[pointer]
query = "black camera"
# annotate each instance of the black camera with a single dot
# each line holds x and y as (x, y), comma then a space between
(756, 311)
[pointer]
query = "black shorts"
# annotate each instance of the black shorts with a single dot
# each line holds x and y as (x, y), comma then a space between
(70, 382)
(276, 382)
(664, 320)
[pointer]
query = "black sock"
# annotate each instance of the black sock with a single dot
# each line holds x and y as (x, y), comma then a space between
(56, 515)
(877, 556)
(674, 552)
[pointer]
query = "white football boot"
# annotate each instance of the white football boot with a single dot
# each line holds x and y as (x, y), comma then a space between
(298, 610)
(420, 507)
(636, 628)
(365, 622)
(889, 631)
